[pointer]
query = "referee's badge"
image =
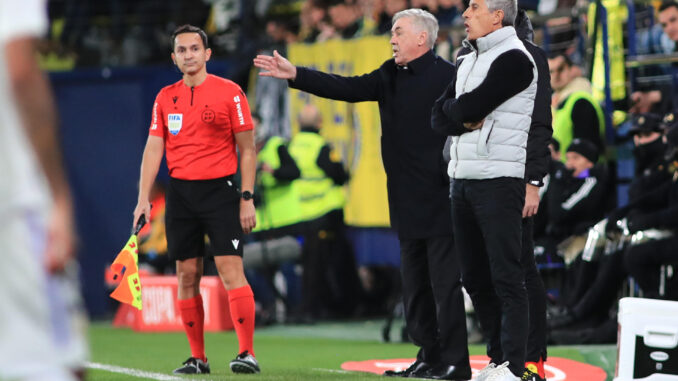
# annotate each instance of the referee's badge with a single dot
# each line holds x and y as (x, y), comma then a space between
(174, 123)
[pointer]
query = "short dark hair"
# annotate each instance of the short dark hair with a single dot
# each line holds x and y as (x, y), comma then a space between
(566, 59)
(186, 28)
(668, 4)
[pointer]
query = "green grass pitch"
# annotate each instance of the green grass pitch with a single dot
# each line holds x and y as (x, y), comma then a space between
(311, 352)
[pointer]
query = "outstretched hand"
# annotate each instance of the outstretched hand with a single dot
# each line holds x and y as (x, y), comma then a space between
(275, 66)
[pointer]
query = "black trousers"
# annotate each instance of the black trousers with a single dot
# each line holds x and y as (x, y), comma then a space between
(487, 220)
(433, 299)
(330, 284)
(643, 262)
(536, 295)
(602, 293)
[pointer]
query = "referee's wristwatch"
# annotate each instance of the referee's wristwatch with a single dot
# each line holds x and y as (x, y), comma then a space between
(247, 195)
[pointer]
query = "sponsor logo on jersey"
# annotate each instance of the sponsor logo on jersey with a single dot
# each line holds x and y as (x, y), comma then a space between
(154, 126)
(174, 123)
(241, 118)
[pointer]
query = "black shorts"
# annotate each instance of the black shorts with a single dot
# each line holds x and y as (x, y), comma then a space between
(198, 207)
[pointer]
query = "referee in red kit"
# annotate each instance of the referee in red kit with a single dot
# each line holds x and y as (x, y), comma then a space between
(199, 121)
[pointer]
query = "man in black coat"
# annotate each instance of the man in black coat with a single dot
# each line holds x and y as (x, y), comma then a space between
(406, 88)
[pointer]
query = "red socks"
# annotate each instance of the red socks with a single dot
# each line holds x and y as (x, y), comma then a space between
(193, 317)
(537, 367)
(241, 303)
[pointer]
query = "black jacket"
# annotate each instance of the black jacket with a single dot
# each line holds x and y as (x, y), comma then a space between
(334, 170)
(417, 182)
(575, 204)
(288, 169)
(657, 209)
(539, 136)
(652, 168)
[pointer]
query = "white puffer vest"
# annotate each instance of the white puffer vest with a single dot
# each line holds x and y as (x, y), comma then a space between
(498, 148)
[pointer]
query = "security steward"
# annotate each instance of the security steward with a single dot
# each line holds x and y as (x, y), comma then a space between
(278, 206)
(577, 115)
(330, 283)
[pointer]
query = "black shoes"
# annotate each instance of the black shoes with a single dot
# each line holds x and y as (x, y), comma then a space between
(193, 366)
(417, 369)
(448, 372)
(420, 369)
(245, 363)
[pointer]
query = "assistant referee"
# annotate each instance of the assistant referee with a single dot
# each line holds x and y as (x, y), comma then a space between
(198, 122)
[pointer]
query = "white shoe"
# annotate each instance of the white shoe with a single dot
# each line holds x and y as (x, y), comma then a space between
(482, 375)
(502, 373)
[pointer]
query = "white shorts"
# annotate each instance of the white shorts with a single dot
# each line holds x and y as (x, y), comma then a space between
(42, 324)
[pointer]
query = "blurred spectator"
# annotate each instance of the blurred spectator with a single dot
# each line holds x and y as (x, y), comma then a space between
(576, 191)
(668, 18)
(658, 210)
(372, 9)
(224, 25)
(651, 166)
(659, 100)
(427, 5)
(331, 287)
(123, 32)
(315, 25)
(449, 12)
(592, 298)
(576, 114)
(278, 214)
(278, 206)
(347, 19)
(272, 96)
(391, 7)
(562, 32)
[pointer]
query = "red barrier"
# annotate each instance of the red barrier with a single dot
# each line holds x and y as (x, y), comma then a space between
(161, 313)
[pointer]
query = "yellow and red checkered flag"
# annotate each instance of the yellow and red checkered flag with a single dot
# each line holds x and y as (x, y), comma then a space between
(125, 265)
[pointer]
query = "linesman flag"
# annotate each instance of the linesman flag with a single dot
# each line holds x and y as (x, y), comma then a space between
(126, 266)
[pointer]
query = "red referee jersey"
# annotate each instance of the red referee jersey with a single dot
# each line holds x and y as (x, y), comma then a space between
(199, 125)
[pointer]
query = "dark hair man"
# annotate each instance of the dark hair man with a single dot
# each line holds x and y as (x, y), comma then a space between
(198, 121)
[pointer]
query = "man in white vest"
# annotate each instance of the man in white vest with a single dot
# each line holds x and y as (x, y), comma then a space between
(488, 110)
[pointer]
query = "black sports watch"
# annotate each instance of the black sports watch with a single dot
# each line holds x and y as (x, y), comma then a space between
(247, 195)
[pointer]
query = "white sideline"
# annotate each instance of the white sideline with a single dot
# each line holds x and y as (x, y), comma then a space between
(134, 372)
(331, 370)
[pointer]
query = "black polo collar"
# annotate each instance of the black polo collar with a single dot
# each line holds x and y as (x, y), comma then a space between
(419, 64)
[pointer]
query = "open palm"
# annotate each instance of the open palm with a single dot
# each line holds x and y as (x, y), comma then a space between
(275, 66)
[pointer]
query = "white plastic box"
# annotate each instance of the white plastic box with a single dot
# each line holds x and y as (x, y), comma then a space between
(647, 342)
